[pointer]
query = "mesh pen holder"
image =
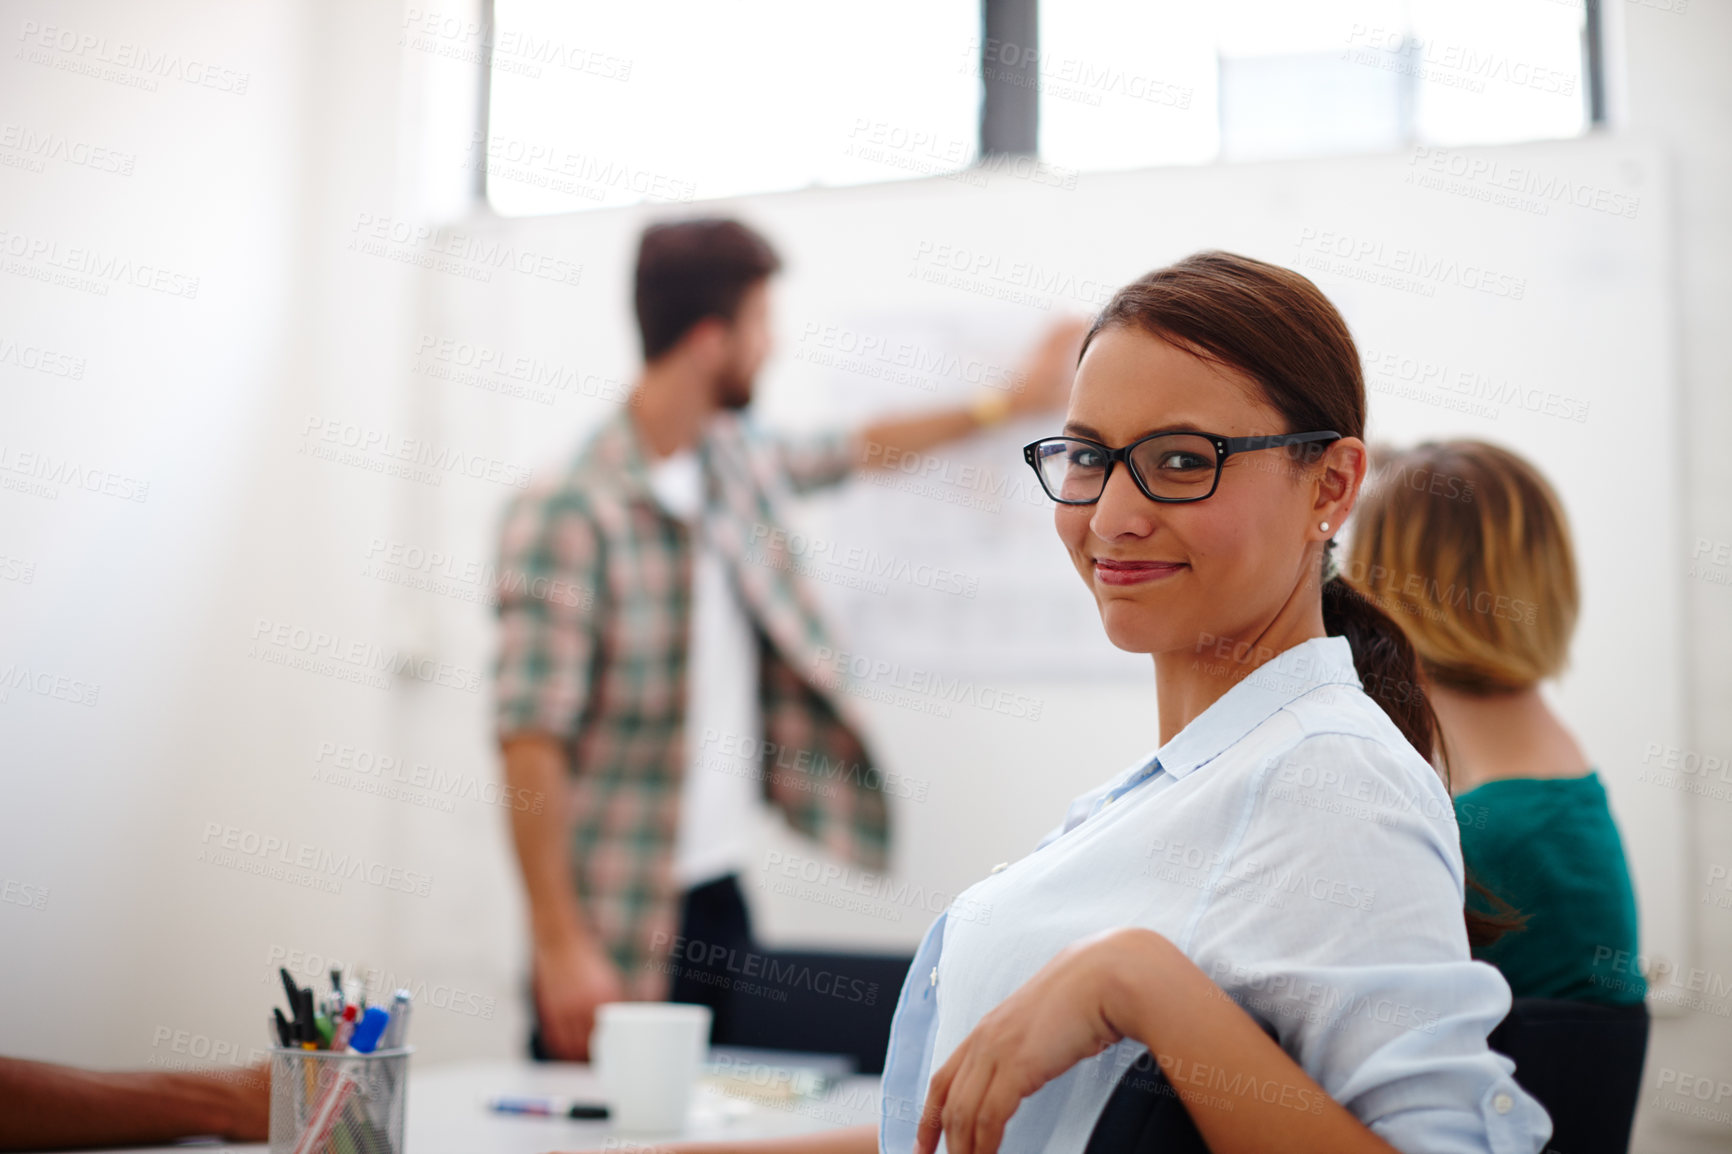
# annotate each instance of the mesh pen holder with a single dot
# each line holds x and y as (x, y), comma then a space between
(330, 1103)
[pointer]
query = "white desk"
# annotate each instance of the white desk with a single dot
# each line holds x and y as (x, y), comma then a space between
(447, 1115)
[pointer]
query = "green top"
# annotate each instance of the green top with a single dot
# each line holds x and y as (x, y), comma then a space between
(1549, 847)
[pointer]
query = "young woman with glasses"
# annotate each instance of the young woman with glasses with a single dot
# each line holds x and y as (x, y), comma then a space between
(1271, 905)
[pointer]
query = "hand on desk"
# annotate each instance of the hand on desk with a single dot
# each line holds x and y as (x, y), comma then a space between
(571, 980)
(49, 1107)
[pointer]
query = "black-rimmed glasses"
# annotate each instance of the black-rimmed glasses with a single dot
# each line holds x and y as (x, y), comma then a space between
(1167, 466)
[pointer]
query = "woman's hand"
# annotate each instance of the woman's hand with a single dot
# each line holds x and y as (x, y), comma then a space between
(1053, 1021)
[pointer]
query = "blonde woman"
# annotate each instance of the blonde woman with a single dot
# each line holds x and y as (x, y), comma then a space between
(1466, 545)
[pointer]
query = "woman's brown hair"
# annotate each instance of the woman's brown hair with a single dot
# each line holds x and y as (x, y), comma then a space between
(1275, 326)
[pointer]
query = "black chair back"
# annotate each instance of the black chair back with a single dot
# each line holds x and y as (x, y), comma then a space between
(824, 1003)
(816, 1002)
(1145, 1116)
(1583, 1062)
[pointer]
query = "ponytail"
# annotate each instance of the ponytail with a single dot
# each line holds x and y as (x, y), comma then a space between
(1385, 661)
(1389, 671)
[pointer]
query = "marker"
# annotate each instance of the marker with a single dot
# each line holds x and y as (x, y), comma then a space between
(547, 1107)
(345, 1029)
(294, 993)
(397, 1030)
(366, 1036)
(285, 1033)
(304, 1015)
(334, 1001)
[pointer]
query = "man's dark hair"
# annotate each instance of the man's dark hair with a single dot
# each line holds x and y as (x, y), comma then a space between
(692, 269)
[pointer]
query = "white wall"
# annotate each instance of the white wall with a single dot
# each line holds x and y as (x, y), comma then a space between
(107, 806)
(1672, 93)
(1580, 312)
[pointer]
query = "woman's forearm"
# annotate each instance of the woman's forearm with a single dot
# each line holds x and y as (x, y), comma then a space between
(1243, 1091)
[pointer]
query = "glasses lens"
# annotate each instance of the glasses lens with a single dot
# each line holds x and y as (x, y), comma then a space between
(1178, 467)
(1071, 470)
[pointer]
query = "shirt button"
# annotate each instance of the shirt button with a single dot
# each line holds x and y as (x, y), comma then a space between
(1003, 865)
(935, 975)
(1503, 1103)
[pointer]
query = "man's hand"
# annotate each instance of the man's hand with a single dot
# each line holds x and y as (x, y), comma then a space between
(571, 980)
(572, 973)
(1046, 375)
(1042, 385)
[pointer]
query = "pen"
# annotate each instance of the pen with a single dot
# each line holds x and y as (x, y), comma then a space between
(304, 1015)
(547, 1107)
(325, 1112)
(294, 993)
(285, 1035)
(289, 986)
(397, 1029)
(345, 1029)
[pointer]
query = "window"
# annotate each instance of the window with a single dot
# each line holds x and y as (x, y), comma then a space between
(1129, 83)
(595, 104)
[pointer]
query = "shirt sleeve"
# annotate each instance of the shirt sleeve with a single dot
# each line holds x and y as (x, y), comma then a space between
(548, 585)
(814, 462)
(908, 1059)
(1342, 905)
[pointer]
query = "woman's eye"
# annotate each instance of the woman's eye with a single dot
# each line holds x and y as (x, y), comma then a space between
(1087, 458)
(1182, 461)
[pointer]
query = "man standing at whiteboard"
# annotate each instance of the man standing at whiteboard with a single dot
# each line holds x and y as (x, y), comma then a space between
(657, 648)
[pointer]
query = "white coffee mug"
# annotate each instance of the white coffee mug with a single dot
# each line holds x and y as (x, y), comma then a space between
(648, 1056)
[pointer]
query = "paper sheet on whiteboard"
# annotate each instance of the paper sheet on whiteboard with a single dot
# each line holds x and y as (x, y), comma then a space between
(946, 561)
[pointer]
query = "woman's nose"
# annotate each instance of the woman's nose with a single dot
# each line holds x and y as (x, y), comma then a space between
(1122, 511)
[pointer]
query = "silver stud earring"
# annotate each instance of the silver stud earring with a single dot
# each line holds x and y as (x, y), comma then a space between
(1324, 526)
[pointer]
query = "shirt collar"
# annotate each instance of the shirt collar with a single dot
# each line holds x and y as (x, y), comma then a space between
(619, 457)
(1274, 685)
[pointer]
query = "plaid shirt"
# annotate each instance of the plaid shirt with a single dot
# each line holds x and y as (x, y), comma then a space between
(595, 608)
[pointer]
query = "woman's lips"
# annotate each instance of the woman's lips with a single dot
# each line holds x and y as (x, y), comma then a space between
(1133, 572)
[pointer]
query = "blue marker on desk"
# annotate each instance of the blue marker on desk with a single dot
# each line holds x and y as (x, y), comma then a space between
(547, 1107)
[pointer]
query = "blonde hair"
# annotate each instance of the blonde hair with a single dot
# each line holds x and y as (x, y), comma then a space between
(1467, 546)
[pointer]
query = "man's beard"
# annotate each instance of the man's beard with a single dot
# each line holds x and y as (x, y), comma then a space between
(733, 390)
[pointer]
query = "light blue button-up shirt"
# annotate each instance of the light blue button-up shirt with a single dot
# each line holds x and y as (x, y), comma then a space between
(1296, 848)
